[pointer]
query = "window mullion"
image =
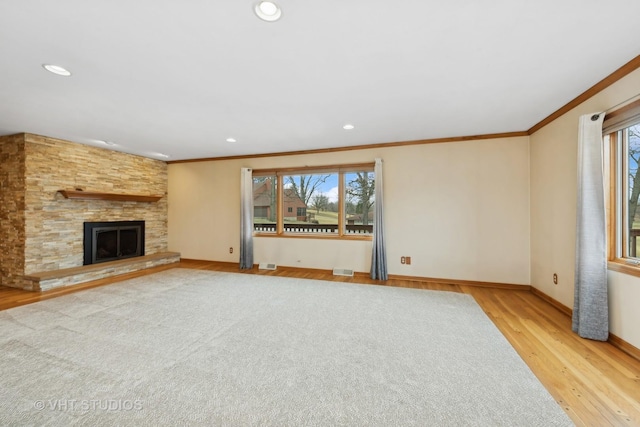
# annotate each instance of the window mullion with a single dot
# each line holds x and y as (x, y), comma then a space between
(610, 169)
(623, 193)
(615, 155)
(280, 206)
(341, 207)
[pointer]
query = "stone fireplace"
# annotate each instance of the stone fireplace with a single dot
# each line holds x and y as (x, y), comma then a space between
(42, 231)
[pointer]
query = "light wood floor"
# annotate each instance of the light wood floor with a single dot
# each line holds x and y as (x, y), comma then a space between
(594, 382)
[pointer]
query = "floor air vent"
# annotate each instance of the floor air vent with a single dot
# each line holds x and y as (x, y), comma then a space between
(267, 266)
(342, 272)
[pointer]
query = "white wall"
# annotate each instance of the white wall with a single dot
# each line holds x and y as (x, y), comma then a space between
(553, 212)
(460, 210)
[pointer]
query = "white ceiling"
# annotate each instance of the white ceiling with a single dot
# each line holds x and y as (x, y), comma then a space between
(180, 77)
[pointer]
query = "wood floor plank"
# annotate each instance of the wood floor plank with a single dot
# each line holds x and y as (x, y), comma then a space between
(594, 382)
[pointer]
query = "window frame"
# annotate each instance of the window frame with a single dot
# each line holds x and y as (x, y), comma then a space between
(616, 179)
(340, 170)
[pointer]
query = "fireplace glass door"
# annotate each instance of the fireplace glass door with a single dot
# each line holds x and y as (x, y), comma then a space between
(109, 241)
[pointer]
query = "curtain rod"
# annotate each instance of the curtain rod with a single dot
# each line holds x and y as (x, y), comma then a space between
(597, 115)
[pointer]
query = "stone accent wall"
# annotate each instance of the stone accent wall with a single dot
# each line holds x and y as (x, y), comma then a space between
(53, 226)
(12, 209)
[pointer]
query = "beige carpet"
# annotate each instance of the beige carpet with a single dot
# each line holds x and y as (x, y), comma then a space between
(189, 347)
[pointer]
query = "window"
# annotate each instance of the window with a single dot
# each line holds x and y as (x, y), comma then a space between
(264, 203)
(332, 201)
(359, 200)
(315, 197)
(622, 154)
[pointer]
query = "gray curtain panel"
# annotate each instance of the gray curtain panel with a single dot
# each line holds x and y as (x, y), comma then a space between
(246, 219)
(591, 307)
(379, 252)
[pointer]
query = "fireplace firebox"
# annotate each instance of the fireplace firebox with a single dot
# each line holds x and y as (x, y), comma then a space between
(113, 240)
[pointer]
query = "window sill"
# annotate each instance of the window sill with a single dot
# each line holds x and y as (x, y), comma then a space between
(622, 266)
(316, 236)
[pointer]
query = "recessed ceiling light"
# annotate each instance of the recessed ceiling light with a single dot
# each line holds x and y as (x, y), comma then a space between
(348, 126)
(164, 156)
(267, 11)
(56, 69)
(231, 140)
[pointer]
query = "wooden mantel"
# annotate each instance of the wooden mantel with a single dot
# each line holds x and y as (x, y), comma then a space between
(93, 195)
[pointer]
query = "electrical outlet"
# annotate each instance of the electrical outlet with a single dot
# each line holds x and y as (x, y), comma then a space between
(231, 250)
(403, 260)
(407, 260)
(555, 279)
